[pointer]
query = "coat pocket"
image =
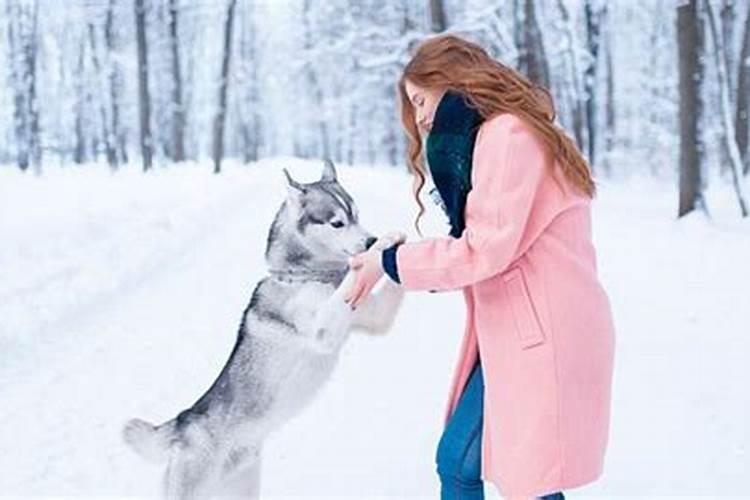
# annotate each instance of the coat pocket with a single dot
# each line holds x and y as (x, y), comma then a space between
(528, 327)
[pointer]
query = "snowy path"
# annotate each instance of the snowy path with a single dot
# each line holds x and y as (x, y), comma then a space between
(160, 300)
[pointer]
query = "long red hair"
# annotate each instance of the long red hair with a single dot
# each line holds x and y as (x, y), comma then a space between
(453, 63)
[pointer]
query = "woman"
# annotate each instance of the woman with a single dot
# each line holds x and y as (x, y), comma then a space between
(530, 400)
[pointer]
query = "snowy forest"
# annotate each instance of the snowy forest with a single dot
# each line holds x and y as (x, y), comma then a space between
(142, 153)
(643, 85)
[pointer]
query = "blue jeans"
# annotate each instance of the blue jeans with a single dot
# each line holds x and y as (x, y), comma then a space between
(459, 452)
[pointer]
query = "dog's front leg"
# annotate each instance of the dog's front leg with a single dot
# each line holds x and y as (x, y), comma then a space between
(376, 312)
(375, 315)
(333, 319)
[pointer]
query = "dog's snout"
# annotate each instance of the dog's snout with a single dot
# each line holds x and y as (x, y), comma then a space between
(370, 242)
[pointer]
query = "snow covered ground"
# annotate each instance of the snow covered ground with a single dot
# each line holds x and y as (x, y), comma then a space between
(120, 296)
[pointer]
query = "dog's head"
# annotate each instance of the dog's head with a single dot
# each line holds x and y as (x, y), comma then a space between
(322, 219)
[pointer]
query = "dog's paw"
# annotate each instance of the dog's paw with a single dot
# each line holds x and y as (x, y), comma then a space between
(396, 237)
(389, 239)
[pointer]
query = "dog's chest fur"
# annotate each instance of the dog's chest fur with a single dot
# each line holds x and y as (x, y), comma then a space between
(280, 324)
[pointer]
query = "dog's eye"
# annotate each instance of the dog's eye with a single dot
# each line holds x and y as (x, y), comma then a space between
(337, 224)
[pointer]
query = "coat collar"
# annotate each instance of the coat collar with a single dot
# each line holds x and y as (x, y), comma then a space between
(449, 149)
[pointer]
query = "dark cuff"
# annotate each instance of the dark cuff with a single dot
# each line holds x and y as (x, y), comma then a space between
(388, 261)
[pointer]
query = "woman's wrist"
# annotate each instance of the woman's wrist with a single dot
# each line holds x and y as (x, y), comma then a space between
(388, 262)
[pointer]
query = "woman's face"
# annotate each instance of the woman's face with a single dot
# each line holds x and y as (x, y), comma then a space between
(425, 102)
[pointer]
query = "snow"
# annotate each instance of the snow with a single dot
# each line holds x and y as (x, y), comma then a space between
(120, 295)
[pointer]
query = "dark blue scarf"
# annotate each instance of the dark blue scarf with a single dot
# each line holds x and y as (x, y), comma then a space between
(449, 149)
(450, 145)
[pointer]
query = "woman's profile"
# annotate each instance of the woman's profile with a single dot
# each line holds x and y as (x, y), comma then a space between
(529, 407)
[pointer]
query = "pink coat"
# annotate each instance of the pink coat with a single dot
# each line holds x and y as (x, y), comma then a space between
(536, 314)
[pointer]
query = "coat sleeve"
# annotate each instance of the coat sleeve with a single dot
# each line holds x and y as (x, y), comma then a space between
(508, 166)
(388, 262)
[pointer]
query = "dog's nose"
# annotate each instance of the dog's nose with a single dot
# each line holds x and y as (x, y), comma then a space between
(370, 242)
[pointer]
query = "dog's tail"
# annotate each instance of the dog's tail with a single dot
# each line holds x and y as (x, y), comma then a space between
(152, 442)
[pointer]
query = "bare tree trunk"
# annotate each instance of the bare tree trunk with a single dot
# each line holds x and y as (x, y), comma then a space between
(110, 145)
(517, 29)
(533, 60)
(178, 110)
(575, 84)
(728, 135)
(611, 124)
(22, 39)
(144, 103)
(742, 115)
(407, 24)
(351, 152)
(219, 119)
(728, 15)
(250, 121)
(593, 35)
(690, 50)
(438, 22)
(115, 85)
(314, 87)
(80, 152)
(31, 53)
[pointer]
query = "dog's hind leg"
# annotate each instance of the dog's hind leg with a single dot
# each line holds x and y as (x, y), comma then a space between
(194, 465)
(189, 476)
(242, 477)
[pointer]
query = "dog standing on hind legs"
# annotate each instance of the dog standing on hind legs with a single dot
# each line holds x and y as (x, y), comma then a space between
(287, 345)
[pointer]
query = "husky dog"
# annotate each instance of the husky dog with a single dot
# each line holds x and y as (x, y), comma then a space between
(287, 345)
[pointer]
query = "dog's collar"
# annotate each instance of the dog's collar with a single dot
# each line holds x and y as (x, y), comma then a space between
(327, 275)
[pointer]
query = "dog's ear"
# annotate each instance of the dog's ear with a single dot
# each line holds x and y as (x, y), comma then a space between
(329, 171)
(293, 186)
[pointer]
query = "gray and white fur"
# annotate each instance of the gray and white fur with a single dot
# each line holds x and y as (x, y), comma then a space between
(287, 346)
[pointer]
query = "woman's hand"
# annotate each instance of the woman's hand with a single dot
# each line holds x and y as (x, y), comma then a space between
(368, 269)
(367, 272)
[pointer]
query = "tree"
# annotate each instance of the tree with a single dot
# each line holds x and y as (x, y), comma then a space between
(101, 58)
(438, 22)
(81, 109)
(533, 59)
(610, 114)
(728, 125)
(220, 116)
(23, 41)
(572, 86)
(594, 15)
(742, 115)
(690, 42)
(248, 92)
(178, 111)
(116, 80)
(321, 145)
(144, 102)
